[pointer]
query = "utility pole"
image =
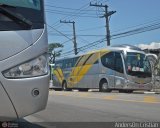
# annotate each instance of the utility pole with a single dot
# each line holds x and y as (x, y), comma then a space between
(74, 35)
(106, 15)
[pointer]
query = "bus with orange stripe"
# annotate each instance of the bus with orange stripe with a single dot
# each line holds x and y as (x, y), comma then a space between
(124, 68)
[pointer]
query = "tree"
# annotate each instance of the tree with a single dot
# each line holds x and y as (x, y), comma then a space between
(54, 51)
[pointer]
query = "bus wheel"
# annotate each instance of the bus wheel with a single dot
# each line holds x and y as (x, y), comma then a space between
(103, 87)
(121, 91)
(83, 89)
(129, 91)
(125, 91)
(57, 89)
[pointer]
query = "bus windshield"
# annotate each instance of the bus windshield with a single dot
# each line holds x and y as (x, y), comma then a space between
(24, 11)
(138, 65)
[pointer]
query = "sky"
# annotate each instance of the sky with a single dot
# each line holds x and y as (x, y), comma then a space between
(130, 15)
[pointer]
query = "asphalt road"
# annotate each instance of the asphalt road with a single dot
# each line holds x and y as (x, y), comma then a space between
(96, 107)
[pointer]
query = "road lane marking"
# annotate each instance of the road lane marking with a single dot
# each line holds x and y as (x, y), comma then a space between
(84, 94)
(112, 97)
(146, 99)
(55, 93)
(136, 101)
(150, 99)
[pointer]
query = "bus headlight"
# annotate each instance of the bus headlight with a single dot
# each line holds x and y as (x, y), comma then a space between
(32, 68)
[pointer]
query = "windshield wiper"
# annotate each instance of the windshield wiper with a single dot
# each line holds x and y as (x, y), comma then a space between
(17, 18)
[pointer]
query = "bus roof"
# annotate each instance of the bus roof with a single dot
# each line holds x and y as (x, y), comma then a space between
(128, 46)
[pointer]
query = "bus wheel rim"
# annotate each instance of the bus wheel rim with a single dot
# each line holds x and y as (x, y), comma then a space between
(104, 86)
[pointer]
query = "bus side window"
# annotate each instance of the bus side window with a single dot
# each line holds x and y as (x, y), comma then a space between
(66, 63)
(108, 60)
(70, 63)
(118, 63)
(83, 60)
(92, 59)
(58, 64)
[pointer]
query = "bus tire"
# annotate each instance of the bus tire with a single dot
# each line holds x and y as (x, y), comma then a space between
(83, 89)
(58, 89)
(103, 86)
(64, 86)
(121, 91)
(129, 91)
(125, 91)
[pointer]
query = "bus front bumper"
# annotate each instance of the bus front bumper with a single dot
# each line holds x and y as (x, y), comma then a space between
(22, 97)
(136, 86)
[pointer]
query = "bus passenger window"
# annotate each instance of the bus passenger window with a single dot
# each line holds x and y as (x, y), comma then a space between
(58, 64)
(108, 60)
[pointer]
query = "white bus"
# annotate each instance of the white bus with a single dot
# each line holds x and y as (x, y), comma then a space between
(124, 68)
(24, 77)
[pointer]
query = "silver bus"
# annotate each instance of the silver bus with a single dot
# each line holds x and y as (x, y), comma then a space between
(124, 68)
(24, 77)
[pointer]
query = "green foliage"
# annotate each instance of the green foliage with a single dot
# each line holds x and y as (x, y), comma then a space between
(52, 47)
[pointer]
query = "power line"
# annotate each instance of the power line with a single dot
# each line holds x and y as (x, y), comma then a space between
(59, 32)
(74, 35)
(69, 12)
(132, 32)
(87, 29)
(80, 15)
(106, 15)
(69, 8)
(126, 32)
(74, 12)
(138, 25)
(120, 35)
(139, 30)
(146, 28)
(94, 28)
(78, 35)
(88, 45)
(66, 41)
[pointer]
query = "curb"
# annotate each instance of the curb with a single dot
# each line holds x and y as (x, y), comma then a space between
(151, 92)
(146, 92)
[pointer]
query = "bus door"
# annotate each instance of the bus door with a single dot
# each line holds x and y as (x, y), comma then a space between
(107, 69)
(119, 71)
